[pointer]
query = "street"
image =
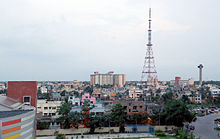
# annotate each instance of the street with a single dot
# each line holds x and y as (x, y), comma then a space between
(204, 127)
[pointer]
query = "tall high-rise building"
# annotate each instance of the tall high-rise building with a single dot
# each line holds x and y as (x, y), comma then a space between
(108, 79)
(149, 73)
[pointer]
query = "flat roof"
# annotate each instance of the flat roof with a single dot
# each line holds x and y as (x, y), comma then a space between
(9, 102)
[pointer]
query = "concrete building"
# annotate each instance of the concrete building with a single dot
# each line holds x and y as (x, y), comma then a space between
(132, 107)
(108, 79)
(135, 93)
(17, 120)
(182, 83)
(197, 97)
(17, 124)
(97, 110)
(86, 96)
(215, 92)
(177, 79)
(75, 101)
(23, 91)
(119, 80)
(48, 108)
(43, 89)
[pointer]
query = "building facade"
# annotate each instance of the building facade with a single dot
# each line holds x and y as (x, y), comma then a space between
(23, 91)
(91, 99)
(75, 101)
(132, 107)
(48, 108)
(108, 79)
(215, 92)
(17, 120)
(17, 124)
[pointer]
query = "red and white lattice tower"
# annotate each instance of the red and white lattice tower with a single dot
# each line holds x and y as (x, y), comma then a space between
(149, 73)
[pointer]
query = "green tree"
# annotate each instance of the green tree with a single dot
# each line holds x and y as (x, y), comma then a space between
(76, 93)
(89, 89)
(63, 93)
(74, 119)
(90, 119)
(175, 113)
(95, 121)
(60, 136)
(119, 116)
(139, 118)
(64, 111)
(185, 99)
(167, 97)
(42, 125)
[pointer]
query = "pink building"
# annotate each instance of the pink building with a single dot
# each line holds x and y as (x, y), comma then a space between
(86, 96)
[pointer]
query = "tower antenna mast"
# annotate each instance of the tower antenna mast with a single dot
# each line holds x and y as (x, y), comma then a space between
(149, 73)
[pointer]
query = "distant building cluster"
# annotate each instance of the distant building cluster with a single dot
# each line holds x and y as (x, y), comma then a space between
(108, 79)
(178, 81)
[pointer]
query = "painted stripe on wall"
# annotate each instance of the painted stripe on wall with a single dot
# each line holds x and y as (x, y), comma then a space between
(18, 124)
(0, 129)
(11, 122)
(11, 130)
(13, 137)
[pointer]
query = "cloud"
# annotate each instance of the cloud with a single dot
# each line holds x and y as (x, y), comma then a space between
(82, 36)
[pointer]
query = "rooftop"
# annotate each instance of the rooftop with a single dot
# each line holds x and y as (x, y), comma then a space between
(4, 114)
(9, 102)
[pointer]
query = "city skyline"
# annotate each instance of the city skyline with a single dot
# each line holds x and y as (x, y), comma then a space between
(69, 40)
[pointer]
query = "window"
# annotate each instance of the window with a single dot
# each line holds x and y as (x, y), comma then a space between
(27, 100)
(140, 106)
(135, 107)
(71, 97)
(129, 110)
(86, 96)
(54, 108)
(92, 102)
(45, 114)
(45, 108)
(49, 107)
(53, 114)
(39, 107)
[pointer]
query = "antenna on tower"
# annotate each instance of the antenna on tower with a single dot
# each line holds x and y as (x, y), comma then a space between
(149, 68)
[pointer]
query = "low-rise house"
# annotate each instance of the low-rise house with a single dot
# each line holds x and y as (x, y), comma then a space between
(215, 92)
(97, 110)
(48, 108)
(135, 93)
(197, 97)
(131, 106)
(91, 99)
(75, 101)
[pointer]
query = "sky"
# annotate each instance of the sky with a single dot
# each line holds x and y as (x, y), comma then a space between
(70, 39)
